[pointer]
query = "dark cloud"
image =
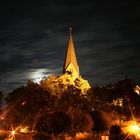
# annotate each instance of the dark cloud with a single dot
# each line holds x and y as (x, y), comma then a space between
(34, 37)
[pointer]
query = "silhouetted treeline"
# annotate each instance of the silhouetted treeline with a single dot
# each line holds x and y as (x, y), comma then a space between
(42, 111)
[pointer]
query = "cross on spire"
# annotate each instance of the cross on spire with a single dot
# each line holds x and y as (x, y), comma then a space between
(70, 29)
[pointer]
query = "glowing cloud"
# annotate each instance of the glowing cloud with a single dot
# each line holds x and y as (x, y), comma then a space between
(37, 74)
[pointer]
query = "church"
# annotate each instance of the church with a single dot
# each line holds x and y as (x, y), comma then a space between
(70, 77)
(71, 69)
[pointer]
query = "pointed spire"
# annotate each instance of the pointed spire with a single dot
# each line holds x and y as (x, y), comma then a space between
(70, 64)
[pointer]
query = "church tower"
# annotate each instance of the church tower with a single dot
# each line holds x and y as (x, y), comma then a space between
(70, 64)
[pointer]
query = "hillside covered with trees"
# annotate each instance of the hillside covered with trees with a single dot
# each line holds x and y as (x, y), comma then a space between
(53, 107)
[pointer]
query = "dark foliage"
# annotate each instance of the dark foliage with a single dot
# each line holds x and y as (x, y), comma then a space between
(53, 123)
(60, 122)
(116, 133)
(99, 121)
(115, 130)
(31, 105)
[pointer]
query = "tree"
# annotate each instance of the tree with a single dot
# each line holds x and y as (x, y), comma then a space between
(116, 133)
(1, 110)
(24, 103)
(1, 98)
(60, 123)
(60, 84)
(53, 123)
(80, 120)
(100, 124)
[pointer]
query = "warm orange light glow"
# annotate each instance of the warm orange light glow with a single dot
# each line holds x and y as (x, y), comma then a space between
(2, 118)
(138, 135)
(13, 132)
(82, 135)
(23, 129)
(118, 102)
(132, 128)
(135, 130)
(135, 127)
(23, 103)
(11, 135)
(137, 89)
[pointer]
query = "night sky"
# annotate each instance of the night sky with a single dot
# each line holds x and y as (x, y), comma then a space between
(34, 38)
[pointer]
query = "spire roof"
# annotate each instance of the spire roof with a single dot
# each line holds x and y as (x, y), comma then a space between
(70, 55)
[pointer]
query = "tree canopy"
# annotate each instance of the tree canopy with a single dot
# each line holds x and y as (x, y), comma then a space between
(40, 105)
